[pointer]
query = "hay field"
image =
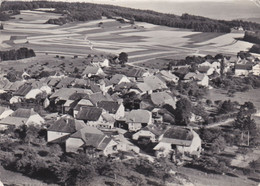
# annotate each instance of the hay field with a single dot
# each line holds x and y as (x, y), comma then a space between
(143, 41)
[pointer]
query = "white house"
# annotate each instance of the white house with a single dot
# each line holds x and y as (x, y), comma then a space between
(242, 69)
(113, 108)
(137, 119)
(63, 127)
(93, 140)
(92, 71)
(178, 140)
(256, 69)
(21, 116)
(100, 62)
(4, 112)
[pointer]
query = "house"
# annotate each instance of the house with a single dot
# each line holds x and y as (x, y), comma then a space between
(150, 84)
(256, 69)
(178, 140)
(4, 112)
(92, 141)
(92, 71)
(151, 132)
(243, 69)
(89, 113)
(5, 84)
(137, 119)
(23, 90)
(205, 64)
(167, 76)
(20, 117)
(65, 82)
(105, 85)
(100, 62)
(113, 108)
(162, 98)
(119, 78)
(206, 70)
(63, 127)
(95, 117)
(201, 79)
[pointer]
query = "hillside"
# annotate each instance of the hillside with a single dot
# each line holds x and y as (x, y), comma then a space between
(76, 12)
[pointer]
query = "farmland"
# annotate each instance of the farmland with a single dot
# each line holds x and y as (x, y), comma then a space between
(143, 42)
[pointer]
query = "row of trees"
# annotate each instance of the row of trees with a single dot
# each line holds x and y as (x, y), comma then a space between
(87, 11)
(21, 53)
(252, 37)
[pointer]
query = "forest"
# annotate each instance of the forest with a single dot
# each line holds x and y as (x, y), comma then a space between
(88, 11)
(16, 54)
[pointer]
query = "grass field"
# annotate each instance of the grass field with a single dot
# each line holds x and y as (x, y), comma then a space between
(143, 41)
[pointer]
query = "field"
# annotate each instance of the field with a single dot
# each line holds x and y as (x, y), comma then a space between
(143, 42)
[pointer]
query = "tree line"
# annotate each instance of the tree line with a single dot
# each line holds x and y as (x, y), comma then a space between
(88, 11)
(16, 54)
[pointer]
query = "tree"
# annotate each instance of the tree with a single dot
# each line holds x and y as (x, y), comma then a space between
(183, 111)
(123, 58)
(245, 123)
(226, 107)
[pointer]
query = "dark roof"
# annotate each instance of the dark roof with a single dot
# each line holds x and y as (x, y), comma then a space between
(110, 106)
(203, 69)
(135, 72)
(77, 96)
(89, 113)
(98, 96)
(90, 135)
(67, 125)
(244, 66)
(23, 90)
(65, 82)
(178, 136)
(23, 113)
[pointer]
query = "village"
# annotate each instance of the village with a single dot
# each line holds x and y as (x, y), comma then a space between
(98, 109)
(86, 103)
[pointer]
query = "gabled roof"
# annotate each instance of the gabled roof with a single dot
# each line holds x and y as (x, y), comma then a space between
(178, 136)
(167, 75)
(17, 121)
(157, 131)
(65, 93)
(3, 109)
(99, 96)
(195, 76)
(135, 72)
(16, 85)
(77, 96)
(91, 70)
(117, 78)
(161, 98)
(5, 84)
(65, 82)
(89, 113)
(67, 125)
(154, 82)
(110, 106)
(23, 90)
(138, 116)
(23, 113)
(52, 82)
(90, 135)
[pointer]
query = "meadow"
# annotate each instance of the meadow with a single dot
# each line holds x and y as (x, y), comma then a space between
(143, 42)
